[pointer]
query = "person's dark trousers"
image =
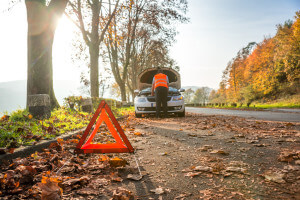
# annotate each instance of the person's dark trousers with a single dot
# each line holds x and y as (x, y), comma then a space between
(161, 95)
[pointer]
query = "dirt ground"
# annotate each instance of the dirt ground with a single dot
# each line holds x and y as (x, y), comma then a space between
(195, 157)
(216, 157)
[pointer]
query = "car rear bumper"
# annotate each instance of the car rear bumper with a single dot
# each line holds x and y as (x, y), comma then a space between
(150, 107)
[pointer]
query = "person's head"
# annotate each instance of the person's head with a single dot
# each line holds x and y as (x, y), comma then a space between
(159, 71)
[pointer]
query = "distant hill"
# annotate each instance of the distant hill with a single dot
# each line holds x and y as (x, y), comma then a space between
(191, 87)
(13, 93)
(194, 88)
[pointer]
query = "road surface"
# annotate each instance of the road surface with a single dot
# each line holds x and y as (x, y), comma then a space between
(284, 115)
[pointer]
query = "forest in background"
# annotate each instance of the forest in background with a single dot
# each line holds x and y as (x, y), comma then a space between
(264, 71)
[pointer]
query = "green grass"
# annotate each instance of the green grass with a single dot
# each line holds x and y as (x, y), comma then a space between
(125, 111)
(287, 102)
(20, 129)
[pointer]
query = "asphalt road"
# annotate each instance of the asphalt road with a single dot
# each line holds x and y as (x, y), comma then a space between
(284, 115)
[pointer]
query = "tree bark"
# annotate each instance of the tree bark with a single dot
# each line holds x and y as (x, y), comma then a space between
(94, 50)
(123, 91)
(94, 70)
(42, 22)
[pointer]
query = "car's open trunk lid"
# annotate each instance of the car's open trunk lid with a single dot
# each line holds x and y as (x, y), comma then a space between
(146, 77)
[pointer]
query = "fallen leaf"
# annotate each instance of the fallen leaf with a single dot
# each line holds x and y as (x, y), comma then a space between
(206, 148)
(158, 190)
(135, 177)
(183, 195)
(5, 117)
(11, 150)
(288, 156)
(192, 174)
(117, 162)
(26, 170)
(50, 190)
(88, 191)
(222, 152)
(122, 194)
(60, 141)
(115, 177)
(163, 154)
(138, 133)
(236, 169)
(202, 168)
(82, 181)
(75, 141)
(289, 124)
(274, 177)
(103, 158)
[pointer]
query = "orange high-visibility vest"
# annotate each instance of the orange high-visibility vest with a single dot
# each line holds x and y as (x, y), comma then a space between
(160, 80)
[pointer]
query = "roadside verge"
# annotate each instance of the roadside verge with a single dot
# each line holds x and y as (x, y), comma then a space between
(28, 150)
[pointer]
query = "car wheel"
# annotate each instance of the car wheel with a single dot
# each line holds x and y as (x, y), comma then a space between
(181, 114)
(138, 115)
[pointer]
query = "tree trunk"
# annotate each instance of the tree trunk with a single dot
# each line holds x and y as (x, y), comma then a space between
(94, 49)
(94, 70)
(42, 22)
(123, 91)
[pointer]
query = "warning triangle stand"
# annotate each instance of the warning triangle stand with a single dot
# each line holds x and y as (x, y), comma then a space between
(122, 144)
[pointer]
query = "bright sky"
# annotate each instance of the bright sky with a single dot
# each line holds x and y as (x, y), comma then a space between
(218, 29)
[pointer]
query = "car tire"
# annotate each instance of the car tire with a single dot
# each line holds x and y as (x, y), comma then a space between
(181, 114)
(138, 115)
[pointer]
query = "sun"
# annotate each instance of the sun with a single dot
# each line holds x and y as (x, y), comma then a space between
(63, 49)
(64, 31)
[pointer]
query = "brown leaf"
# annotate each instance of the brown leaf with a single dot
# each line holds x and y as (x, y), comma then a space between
(220, 151)
(181, 196)
(117, 162)
(135, 177)
(50, 190)
(75, 141)
(206, 148)
(88, 191)
(158, 190)
(122, 194)
(55, 146)
(288, 156)
(115, 177)
(138, 133)
(192, 174)
(26, 170)
(274, 176)
(82, 181)
(202, 168)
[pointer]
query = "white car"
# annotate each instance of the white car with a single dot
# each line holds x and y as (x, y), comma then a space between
(144, 103)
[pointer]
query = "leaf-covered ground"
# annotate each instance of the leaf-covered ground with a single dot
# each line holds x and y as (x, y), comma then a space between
(196, 157)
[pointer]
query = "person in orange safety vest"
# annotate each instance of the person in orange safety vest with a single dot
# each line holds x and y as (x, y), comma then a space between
(160, 86)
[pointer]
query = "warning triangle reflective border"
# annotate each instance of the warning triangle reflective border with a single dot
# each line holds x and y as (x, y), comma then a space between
(105, 114)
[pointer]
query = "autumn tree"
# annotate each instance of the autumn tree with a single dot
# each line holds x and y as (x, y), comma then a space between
(287, 54)
(93, 20)
(188, 94)
(201, 95)
(266, 70)
(146, 26)
(146, 54)
(42, 22)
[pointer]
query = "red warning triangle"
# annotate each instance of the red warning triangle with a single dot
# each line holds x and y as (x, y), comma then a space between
(122, 144)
